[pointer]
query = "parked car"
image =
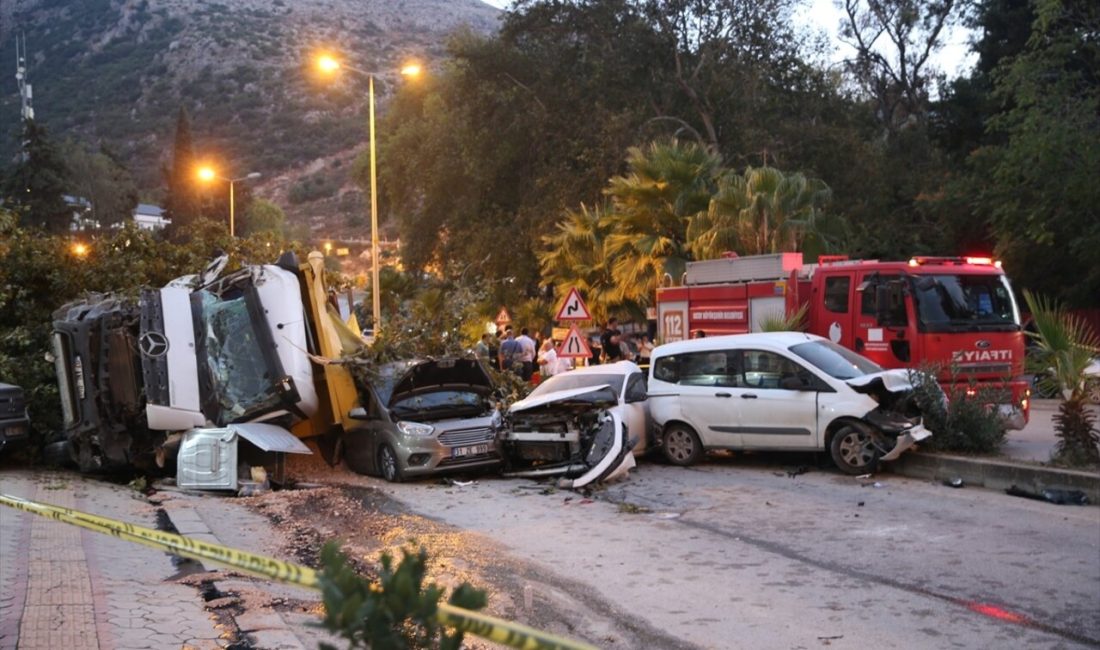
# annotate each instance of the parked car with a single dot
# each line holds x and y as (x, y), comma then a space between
(780, 391)
(15, 425)
(584, 425)
(425, 417)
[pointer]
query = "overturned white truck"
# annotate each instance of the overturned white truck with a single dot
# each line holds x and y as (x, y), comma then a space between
(203, 351)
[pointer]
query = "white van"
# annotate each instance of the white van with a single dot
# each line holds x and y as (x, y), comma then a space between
(780, 391)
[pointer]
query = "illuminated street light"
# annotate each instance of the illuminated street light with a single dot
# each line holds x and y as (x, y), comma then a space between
(329, 65)
(80, 249)
(208, 174)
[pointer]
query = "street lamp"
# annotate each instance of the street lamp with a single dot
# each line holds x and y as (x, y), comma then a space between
(328, 65)
(207, 174)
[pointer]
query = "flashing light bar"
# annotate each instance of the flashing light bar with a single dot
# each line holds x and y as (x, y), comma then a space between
(976, 261)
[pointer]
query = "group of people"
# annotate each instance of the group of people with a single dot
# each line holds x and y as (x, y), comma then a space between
(522, 354)
(616, 346)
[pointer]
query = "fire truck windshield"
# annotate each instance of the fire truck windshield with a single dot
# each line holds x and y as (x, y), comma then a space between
(976, 303)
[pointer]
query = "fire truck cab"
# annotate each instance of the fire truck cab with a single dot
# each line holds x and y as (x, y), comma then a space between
(958, 314)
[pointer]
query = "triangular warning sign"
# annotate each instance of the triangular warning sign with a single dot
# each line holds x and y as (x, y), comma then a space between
(573, 308)
(574, 345)
(503, 318)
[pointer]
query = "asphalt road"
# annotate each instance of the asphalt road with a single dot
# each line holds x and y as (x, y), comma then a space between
(738, 553)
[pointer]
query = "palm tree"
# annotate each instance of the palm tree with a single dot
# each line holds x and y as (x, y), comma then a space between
(573, 256)
(762, 211)
(1066, 346)
(668, 183)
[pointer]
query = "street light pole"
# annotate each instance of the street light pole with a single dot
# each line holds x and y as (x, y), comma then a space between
(232, 231)
(375, 294)
(208, 174)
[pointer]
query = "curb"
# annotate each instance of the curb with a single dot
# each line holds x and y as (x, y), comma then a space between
(996, 474)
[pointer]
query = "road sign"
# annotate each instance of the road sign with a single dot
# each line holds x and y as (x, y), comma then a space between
(503, 318)
(575, 345)
(573, 308)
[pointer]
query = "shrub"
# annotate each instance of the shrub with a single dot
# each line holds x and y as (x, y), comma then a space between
(963, 422)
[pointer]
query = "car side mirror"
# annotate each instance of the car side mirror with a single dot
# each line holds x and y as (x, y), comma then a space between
(358, 413)
(637, 396)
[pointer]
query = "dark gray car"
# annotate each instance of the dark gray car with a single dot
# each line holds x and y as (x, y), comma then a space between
(425, 417)
(14, 423)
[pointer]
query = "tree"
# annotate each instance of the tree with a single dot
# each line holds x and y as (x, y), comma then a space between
(104, 182)
(894, 40)
(574, 256)
(667, 184)
(37, 183)
(762, 211)
(1065, 347)
(1036, 180)
(264, 216)
(181, 204)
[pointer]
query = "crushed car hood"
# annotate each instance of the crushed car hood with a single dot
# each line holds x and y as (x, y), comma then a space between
(434, 374)
(898, 380)
(595, 397)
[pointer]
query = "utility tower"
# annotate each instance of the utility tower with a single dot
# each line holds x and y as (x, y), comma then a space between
(26, 95)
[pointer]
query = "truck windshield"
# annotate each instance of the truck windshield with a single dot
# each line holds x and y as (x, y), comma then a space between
(974, 303)
(241, 373)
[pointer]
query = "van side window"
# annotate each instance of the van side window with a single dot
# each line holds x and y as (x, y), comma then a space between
(836, 294)
(767, 370)
(711, 368)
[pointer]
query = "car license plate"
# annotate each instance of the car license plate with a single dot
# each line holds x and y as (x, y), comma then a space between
(472, 450)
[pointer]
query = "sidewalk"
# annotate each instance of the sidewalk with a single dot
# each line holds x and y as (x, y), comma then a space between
(1023, 461)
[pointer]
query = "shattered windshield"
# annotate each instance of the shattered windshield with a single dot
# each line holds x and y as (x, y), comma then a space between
(965, 302)
(238, 366)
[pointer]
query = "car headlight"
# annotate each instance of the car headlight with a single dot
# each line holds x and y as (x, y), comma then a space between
(415, 429)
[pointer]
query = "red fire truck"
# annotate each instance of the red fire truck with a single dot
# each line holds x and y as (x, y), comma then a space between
(957, 313)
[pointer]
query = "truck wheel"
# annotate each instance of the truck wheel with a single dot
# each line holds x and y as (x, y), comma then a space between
(853, 449)
(681, 445)
(387, 464)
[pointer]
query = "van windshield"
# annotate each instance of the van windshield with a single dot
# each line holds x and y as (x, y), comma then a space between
(834, 360)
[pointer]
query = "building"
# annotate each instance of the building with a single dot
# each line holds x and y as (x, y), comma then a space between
(150, 217)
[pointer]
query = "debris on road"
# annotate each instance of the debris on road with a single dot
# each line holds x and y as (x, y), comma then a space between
(1052, 495)
(956, 482)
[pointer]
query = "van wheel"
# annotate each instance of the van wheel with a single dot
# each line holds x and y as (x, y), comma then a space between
(387, 464)
(681, 445)
(853, 449)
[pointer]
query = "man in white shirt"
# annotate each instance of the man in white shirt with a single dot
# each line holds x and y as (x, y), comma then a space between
(529, 351)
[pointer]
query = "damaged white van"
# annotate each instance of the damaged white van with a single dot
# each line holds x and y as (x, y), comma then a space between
(780, 391)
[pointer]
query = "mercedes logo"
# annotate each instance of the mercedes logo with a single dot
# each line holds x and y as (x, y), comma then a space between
(982, 344)
(153, 344)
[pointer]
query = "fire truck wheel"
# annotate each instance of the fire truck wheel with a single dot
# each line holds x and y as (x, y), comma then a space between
(853, 449)
(681, 445)
(387, 463)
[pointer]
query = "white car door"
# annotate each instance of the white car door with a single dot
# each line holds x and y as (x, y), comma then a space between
(773, 417)
(698, 388)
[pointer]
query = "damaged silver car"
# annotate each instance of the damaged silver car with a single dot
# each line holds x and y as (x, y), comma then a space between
(780, 391)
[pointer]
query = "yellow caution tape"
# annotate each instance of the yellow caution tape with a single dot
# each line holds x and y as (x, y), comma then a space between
(495, 629)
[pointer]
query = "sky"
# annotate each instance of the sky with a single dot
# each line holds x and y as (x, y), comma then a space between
(954, 58)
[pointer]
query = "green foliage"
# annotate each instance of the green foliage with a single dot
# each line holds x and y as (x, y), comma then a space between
(1036, 180)
(103, 181)
(964, 421)
(182, 201)
(795, 322)
(36, 183)
(1065, 347)
(264, 217)
(318, 186)
(398, 612)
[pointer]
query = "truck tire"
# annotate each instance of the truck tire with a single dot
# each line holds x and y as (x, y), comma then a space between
(853, 450)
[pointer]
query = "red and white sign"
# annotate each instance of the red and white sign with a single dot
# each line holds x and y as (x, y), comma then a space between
(503, 318)
(573, 308)
(575, 345)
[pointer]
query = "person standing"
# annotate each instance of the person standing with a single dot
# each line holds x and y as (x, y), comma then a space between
(611, 340)
(510, 353)
(528, 352)
(645, 348)
(482, 348)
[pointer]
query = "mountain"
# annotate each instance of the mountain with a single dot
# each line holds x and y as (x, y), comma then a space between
(116, 72)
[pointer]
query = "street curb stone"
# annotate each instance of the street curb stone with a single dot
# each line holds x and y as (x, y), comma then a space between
(996, 474)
